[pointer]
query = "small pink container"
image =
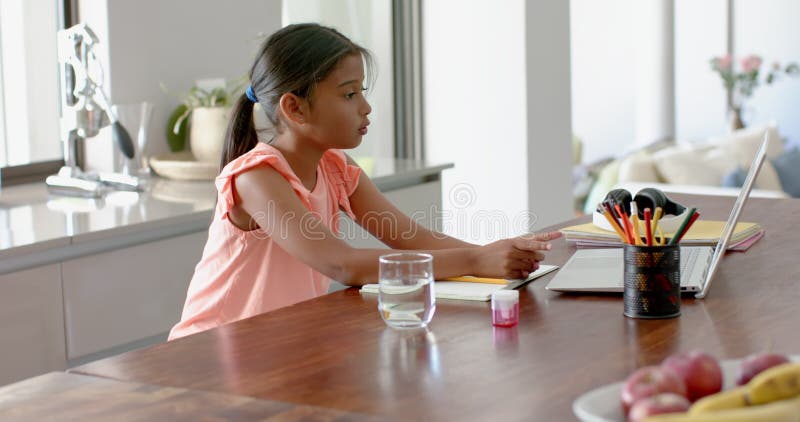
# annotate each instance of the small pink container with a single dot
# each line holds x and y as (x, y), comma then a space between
(505, 308)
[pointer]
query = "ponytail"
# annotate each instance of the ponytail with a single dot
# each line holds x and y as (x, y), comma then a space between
(240, 136)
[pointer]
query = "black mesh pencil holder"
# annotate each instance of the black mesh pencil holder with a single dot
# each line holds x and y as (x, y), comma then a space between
(652, 281)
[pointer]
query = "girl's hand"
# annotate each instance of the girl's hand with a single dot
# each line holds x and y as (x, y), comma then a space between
(512, 258)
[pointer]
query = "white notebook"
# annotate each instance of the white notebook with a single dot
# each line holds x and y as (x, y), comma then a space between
(461, 290)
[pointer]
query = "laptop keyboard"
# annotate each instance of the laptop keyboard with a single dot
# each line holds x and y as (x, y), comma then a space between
(688, 258)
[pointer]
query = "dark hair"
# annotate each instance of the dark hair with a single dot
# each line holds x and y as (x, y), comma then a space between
(293, 59)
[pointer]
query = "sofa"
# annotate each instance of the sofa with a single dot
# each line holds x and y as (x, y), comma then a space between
(715, 167)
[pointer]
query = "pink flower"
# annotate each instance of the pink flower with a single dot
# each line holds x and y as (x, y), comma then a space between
(724, 62)
(751, 63)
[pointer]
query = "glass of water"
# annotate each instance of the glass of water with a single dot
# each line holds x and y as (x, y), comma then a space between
(405, 295)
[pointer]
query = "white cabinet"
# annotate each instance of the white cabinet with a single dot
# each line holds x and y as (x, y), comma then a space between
(134, 293)
(31, 323)
(423, 203)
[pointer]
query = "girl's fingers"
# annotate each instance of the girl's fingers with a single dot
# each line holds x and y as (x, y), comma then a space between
(526, 256)
(531, 245)
(517, 265)
(543, 237)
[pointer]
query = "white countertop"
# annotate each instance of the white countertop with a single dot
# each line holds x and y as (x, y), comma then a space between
(37, 228)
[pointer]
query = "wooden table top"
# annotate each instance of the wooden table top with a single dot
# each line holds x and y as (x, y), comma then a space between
(336, 352)
(71, 397)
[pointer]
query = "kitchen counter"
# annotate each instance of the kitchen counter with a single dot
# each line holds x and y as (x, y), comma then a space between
(37, 228)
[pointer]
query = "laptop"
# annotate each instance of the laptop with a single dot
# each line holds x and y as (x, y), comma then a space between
(601, 270)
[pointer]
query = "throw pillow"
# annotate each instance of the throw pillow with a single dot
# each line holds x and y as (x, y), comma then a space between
(638, 167)
(767, 178)
(734, 179)
(687, 165)
(788, 168)
(744, 143)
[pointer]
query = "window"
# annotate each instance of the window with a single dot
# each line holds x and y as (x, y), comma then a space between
(29, 87)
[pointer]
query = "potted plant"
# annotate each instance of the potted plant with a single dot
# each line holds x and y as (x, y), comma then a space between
(202, 117)
(740, 83)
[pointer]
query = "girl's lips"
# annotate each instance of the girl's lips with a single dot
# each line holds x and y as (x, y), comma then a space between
(362, 131)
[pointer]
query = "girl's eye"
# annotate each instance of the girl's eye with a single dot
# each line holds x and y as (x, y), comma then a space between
(353, 94)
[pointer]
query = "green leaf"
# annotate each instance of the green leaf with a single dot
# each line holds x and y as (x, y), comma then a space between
(177, 128)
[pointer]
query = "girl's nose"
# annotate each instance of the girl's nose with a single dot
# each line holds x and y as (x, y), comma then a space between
(367, 109)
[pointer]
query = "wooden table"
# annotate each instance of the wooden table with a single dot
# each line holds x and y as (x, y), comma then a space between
(335, 351)
(70, 397)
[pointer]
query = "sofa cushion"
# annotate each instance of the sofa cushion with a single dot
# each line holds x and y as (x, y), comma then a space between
(708, 165)
(787, 166)
(638, 167)
(691, 165)
(744, 143)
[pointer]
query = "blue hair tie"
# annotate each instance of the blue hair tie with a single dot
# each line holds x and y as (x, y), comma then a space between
(250, 94)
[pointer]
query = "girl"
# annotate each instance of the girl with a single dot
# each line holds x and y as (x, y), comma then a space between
(273, 240)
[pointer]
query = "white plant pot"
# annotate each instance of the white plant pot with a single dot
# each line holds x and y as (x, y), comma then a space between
(207, 133)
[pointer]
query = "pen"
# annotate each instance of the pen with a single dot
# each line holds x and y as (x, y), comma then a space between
(647, 227)
(678, 233)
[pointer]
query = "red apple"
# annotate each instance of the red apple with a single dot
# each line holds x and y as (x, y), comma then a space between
(699, 371)
(649, 381)
(656, 405)
(756, 363)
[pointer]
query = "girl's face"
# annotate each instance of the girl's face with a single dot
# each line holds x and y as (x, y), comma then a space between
(338, 110)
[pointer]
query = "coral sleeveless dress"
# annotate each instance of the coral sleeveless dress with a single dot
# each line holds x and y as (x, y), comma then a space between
(245, 273)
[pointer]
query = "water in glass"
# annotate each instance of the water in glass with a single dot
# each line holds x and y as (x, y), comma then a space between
(406, 295)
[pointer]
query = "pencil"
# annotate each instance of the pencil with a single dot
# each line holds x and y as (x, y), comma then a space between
(656, 217)
(626, 224)
(688, 226)
(471, 279)
(635, 215)
(614, 225)
(647, 227)
(678, 233)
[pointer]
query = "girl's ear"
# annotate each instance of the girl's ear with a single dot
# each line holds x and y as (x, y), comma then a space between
(294, 108)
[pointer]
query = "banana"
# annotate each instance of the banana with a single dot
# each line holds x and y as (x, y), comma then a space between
(776, 383)
(727, 399)
(780, 411)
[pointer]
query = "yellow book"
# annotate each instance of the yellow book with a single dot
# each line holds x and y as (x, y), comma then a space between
(701, 232)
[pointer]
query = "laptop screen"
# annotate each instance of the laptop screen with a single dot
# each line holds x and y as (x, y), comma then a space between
(725, 238)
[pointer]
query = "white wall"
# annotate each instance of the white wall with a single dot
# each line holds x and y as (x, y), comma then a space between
(174, 42)
(700, 103)
(769, 28)
(485, 110)
(603, 75)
